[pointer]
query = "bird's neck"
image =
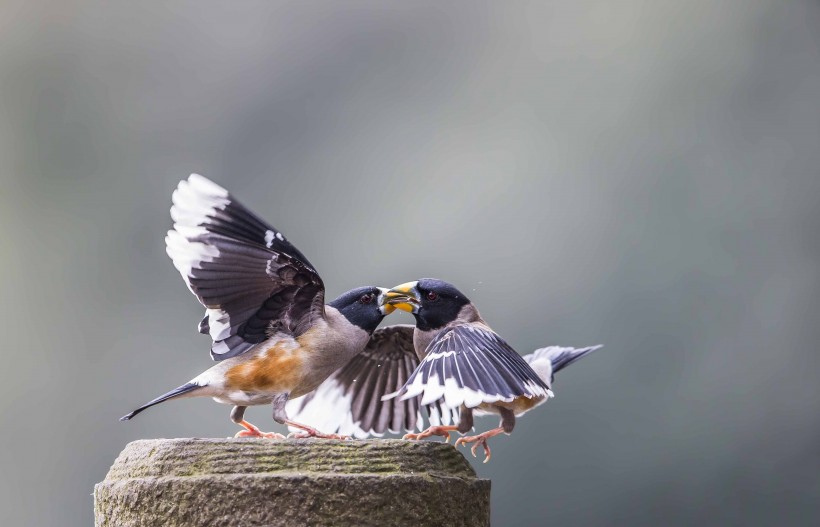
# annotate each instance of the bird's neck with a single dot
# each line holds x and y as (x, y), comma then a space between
(468, 314)
(424, 334)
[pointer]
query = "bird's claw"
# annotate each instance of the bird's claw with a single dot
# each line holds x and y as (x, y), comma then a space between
(432, 431)
(479, 440)
(422, 435)
(316, 434)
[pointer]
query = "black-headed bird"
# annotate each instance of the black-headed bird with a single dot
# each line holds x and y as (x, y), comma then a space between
(466, 365)
(274, 337)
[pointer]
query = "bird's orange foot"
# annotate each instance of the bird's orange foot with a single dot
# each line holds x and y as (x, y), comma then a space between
(480, 440)
(443, 431)
(259, 433)
(252, 431)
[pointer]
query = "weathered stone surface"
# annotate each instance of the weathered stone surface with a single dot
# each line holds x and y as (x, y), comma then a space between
(255, 482)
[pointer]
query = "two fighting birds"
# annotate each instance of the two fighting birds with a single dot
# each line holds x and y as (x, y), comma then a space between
(326, 366)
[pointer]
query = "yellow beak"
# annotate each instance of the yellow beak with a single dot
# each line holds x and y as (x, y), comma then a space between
(384, 307)
(405, 297)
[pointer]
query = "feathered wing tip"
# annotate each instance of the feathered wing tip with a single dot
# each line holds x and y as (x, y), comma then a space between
(176, 392)
(195, 198)
(439, 414)
(201, 206)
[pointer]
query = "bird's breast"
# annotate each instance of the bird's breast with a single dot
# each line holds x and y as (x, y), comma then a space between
(330, 349)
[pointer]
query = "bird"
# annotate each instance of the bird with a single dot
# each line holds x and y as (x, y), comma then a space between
(466, 365)
(274, 338)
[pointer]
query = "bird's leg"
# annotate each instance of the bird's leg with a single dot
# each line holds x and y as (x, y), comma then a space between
(465, 423)
(465, 420)
(507, 425)
(237, 416)
(281, 417)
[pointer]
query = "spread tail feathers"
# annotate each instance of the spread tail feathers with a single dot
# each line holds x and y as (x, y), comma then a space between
(185, 388)
(562, 358)
(550, 360)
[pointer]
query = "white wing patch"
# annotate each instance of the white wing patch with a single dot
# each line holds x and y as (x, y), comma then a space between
(187, 255)
(329, 410)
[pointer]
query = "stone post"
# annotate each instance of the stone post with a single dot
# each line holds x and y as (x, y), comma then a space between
(260, 482)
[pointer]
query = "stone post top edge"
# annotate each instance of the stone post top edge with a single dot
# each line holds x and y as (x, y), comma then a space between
(196, 456)
(291, 440)
(387, 442)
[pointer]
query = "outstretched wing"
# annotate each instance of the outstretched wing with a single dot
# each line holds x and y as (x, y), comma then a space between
(350, 402)
(552, 359)
(470, 364)
(251, 280)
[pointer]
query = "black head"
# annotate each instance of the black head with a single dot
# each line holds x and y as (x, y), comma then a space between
(435, 303)
(363, 307)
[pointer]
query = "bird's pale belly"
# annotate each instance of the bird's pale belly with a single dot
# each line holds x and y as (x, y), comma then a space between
(242, 398)
(519, 405)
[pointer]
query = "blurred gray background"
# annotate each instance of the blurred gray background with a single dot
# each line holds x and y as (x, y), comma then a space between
(644, 175)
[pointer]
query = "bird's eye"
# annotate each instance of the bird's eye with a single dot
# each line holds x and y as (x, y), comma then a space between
(366, 299)
(432, 296)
